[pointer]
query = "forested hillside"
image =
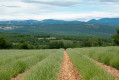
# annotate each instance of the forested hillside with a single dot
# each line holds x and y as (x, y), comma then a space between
(62, 29)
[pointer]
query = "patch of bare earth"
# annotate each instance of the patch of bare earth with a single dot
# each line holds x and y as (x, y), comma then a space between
(68, 72)
(17, 77)
(107, 68)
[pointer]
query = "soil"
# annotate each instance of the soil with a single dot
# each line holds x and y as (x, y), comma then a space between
(17, 77)
(68, 72)
(107, 68)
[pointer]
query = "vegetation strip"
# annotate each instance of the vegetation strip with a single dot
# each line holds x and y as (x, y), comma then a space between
(47, 69)
(87, 68)
(18, 66)
(68, 72)
(19, 76)
(109, 69)
(7, 57)
(105, 57)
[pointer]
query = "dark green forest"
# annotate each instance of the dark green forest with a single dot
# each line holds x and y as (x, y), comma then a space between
(44, 41)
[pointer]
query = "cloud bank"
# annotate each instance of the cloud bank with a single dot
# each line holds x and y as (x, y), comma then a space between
(58, 9)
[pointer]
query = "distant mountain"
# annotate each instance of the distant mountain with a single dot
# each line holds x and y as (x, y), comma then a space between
(101, 27)
(63, 29)
(52, 21)
(106, 21)
(19, 22)
(36, 22)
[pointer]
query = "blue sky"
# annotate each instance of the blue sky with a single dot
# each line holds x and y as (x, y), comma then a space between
(82, 10)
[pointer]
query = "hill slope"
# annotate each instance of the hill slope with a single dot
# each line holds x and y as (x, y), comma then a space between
(101, 27)
(62, 29)
(106, 21)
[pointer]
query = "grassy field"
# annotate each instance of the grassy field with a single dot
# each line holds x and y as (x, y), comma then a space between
(13, 62)
(47, 69)
(46, 64)
(88, 69)
(106, 55)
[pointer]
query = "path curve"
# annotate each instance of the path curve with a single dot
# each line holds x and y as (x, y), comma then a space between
(68, 72)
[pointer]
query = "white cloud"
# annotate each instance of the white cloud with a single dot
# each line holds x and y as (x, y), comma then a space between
(45, 9)
(79, 16)
(109, 0)
(64, 16)
(55, 2)
(18, 7)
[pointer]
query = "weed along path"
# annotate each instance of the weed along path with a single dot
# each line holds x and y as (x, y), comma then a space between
(68, 72)
(107, 68)
(17, 77)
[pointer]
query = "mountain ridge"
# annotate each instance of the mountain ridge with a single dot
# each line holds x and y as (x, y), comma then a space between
(51, 26)
(103, 21)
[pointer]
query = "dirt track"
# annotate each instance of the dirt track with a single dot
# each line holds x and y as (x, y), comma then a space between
(68, 72)
(17, 77)
(109, 69)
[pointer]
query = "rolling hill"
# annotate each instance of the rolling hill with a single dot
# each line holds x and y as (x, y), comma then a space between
(106, 21)
(103, 27)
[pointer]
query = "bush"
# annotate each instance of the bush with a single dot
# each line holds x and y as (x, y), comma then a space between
(4, 43)
(116, 38)
(56, 45)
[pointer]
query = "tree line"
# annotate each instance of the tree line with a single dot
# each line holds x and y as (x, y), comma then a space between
(46, 44)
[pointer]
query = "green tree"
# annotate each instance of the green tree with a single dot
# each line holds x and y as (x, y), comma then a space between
(86, 43)
(56, 45)
(116, 38)
(100, 43)
(4, 43)
(24, 45)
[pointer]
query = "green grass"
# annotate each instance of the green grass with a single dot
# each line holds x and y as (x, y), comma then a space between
(88, 69)
(47, 69)
(45, 64)
(106, 55)
(8, 56)
(17, 65)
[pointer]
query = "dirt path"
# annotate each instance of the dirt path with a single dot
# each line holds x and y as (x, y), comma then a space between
(17, 77)
(68, 72)
(109, 69)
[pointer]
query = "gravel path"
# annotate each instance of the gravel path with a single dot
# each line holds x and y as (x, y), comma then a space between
(68, 72)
